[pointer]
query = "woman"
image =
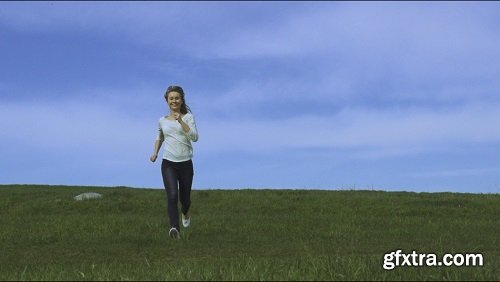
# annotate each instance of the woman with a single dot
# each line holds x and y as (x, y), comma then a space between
(177, 130)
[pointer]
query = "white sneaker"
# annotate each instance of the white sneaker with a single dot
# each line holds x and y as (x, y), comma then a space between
(186, 221)
(174, 234)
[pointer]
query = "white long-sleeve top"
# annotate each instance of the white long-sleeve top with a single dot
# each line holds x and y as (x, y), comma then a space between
(177, 146)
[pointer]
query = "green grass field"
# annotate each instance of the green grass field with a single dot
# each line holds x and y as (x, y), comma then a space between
(242, 234)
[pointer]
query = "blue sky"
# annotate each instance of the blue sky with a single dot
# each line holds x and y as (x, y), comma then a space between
(310, 95)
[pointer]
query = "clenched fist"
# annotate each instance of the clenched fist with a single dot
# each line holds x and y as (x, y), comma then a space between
(153, 158)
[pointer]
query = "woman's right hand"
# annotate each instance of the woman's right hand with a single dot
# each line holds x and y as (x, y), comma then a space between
(153, 158)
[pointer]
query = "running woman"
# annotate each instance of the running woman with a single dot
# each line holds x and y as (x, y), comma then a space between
(177, 130)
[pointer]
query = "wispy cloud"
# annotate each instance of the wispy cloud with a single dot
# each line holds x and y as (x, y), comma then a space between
(282, 29)
(71, 126)
(409, 131)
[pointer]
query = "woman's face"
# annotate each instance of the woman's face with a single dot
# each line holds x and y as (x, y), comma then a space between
(174, 100)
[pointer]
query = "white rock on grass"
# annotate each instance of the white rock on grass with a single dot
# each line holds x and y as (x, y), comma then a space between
(87, 196)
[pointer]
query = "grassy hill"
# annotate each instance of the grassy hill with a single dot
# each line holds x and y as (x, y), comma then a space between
(242, 234)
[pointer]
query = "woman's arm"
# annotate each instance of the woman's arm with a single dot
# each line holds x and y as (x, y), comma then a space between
(159, 141)
(157, 149)
(189, 127)
(184, 125)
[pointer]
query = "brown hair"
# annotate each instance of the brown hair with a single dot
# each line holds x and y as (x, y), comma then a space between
(174, 88)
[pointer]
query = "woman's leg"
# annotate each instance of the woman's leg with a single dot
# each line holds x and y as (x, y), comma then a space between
(170, 176)
(186, 173)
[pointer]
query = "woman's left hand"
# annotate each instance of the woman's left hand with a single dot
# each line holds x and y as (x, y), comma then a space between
(178, 117)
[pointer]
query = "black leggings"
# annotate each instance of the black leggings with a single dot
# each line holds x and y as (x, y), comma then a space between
(177, 179)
